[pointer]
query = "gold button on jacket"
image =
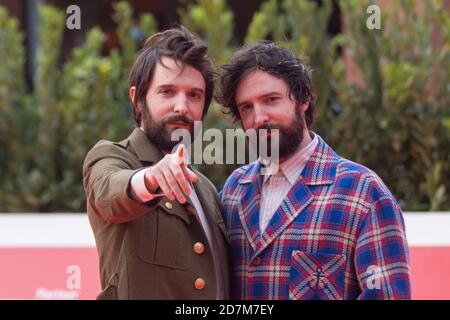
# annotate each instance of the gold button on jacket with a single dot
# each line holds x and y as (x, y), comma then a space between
(199, 248)
(168, 205)
(200, 284)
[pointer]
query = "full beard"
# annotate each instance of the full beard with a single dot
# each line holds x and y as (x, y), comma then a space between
(290, 136)
(159, 134)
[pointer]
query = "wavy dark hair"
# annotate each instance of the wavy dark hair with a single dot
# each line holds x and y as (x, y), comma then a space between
(275, 60)
(179, 44)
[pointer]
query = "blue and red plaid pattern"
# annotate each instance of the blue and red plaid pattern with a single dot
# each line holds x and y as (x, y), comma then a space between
(318, 276)
(338, 234)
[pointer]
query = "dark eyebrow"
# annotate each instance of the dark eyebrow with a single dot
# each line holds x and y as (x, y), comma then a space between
(198, 89)
(168, 85)
(272, 93)
(240, 104)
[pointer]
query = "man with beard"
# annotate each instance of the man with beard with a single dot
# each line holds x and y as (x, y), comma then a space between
(318, 226)
(158, 223)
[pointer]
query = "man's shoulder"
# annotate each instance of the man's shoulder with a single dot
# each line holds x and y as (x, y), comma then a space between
(108, 149)
(347, 167)
(348, 176)
(352, 174)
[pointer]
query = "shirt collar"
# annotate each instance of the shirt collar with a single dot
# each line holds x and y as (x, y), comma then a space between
(292, 167)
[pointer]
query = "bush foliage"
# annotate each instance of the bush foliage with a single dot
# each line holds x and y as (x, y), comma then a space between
(383, 95)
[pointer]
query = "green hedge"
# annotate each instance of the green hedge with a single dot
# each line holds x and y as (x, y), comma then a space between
(395, 119)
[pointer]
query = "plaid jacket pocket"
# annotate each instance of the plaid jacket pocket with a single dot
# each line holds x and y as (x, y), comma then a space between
(316, 276)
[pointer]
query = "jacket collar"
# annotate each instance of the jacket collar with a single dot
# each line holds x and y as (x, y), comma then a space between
(145, 150)
(320, 169)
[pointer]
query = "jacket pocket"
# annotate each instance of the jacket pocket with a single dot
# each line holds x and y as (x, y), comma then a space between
(316, 276)
(160, 242)
(110, 292)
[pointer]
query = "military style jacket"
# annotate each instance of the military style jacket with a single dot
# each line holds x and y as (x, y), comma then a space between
(149, 250)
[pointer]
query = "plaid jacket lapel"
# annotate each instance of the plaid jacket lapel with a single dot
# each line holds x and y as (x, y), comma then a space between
(319, 170)
(298, 198)
(249, 191)
(321, 167)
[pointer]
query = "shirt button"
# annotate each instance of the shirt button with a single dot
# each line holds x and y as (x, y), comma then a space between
(199, 248)
(168, 205)
(257, 261)
(200, 283)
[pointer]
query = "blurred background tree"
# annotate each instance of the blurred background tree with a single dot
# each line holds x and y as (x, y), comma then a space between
(383, 95)
(395, 120)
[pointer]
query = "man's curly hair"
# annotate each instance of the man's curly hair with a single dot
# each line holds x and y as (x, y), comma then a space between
(275, 60)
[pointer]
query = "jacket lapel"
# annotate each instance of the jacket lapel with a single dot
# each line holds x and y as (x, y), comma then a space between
(206, 195)
(297, 199)
(207, 200)
(319, 170)
(249, 193)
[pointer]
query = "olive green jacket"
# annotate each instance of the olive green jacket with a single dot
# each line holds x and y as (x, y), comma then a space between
(146, 251)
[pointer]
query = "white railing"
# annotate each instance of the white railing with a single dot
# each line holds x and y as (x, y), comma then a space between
(73, 230)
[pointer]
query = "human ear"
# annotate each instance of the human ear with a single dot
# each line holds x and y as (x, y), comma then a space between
(132, 95)
(304, 106)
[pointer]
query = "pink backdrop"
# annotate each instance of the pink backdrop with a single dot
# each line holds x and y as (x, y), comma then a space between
(38, 256)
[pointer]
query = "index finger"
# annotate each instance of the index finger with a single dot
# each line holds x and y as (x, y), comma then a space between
(180, 155)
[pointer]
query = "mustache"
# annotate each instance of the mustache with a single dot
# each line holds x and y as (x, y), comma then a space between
(179, 118)
(269, 127)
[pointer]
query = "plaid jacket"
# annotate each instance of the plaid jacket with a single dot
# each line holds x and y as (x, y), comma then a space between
(338, 234)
